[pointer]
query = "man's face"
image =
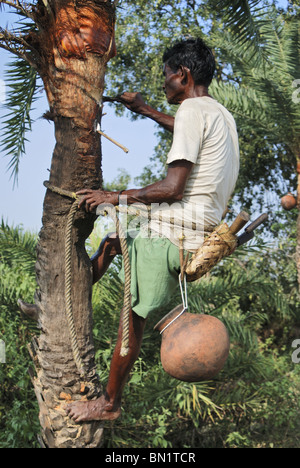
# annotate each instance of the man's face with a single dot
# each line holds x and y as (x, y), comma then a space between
(172, 86)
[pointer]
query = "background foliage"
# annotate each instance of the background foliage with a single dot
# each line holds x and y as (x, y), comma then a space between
(253, 402)
(18, 408)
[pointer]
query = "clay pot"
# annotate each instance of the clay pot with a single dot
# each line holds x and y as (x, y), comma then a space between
(288, 202)
(194, 347)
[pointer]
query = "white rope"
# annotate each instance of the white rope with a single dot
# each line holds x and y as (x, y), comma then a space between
(184, 301)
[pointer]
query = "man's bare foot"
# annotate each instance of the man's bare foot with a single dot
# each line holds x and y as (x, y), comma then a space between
(94, 410)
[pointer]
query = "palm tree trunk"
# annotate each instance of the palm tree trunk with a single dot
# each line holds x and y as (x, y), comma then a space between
(75, 45)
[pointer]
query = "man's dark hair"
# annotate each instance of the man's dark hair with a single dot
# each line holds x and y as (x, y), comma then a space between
(195, 55)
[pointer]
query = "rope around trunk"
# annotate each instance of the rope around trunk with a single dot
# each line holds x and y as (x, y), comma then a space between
(112, 213)
(68, 277)
(68, 290)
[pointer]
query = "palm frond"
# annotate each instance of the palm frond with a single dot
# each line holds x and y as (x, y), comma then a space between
(17, 248)
(244, 18)
(14, 284)
(281, 37)
(23, 8)
(244, 102)
(22, 88)
(212, 294)
(262, 94)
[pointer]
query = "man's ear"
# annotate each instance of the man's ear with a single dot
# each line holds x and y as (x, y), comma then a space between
(185, 74)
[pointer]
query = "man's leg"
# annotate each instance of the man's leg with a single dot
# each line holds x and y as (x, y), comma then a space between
(108, 249)
(108, 406)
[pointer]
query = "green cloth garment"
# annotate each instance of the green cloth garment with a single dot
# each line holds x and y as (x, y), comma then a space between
(155, 268)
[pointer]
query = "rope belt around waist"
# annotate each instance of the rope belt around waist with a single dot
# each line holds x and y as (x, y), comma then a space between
(145, 212)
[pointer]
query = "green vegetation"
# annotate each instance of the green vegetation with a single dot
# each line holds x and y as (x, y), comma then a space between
(18, 408)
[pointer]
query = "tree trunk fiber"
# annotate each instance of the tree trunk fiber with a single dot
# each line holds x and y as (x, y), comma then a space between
(75, 47)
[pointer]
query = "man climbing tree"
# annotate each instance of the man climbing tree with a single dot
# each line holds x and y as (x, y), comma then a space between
(203, 166)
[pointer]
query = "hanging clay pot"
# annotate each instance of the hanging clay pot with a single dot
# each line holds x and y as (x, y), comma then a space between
(288, 202)
(194, 347)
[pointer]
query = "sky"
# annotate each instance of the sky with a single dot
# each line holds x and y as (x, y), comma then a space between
(22, 204)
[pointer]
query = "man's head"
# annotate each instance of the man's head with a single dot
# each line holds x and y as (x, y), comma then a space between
(196, 56)
(190, 57)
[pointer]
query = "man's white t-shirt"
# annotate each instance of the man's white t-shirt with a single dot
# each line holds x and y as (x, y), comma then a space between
(205, 134)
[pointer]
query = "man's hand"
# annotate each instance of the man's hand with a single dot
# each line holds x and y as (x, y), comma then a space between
(93, 198)
(133, 102)
(136, 103)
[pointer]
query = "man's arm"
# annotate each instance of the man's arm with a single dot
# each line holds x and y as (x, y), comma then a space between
(136, 103)
(167, 190)
(170, 189)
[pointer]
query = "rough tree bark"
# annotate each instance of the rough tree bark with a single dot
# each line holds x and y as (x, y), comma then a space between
(74, 43)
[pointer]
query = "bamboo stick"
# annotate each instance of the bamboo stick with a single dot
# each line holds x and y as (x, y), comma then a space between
(126, 150)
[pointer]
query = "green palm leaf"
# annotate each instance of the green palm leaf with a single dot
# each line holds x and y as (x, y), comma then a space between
(17, 248)
(212, 294)
(22, 87)
(261, 95)
(243, 18)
